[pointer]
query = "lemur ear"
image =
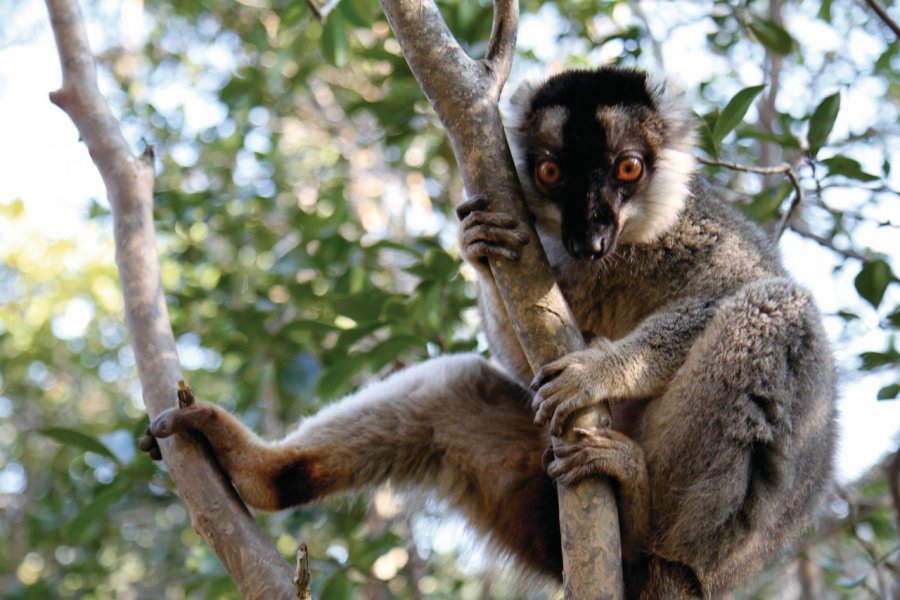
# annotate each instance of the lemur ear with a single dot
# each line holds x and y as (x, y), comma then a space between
(520, 99)
(674, 106)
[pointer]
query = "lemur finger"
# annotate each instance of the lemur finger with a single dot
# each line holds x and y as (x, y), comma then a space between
(584, 438)
(544, 406)
(147, 441)
(548, 396)
(546, 374)
(603, 437)
(486, 251)
(590, 462)
(149, 445)
(475, 203)
(500, 220)
(510, 238)
(573, 469)
(566, 409)
(547, 458)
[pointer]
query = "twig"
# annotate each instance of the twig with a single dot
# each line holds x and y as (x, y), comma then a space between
(884, 16)
(802, 231)
(321, 13)
(302, 577)
(216, 511)
(784, 169)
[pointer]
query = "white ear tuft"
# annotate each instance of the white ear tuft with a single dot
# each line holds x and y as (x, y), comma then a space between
(669, 187)
(673, 105)
(519, 101)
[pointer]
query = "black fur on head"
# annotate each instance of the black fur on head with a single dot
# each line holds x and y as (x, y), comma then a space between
(587, 124)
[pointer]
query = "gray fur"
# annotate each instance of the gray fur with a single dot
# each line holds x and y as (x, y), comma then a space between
(716, 365)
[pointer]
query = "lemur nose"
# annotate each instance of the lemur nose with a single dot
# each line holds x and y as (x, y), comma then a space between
(597, 246)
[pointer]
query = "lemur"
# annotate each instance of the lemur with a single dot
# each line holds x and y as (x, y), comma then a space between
(715, 364)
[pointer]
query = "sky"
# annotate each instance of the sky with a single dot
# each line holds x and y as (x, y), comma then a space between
(42, 163)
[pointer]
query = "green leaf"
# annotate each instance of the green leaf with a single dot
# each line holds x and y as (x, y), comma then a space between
(772, 36)
(825, 10)
(767, 203)
(734, 111)
(440, 265)
(875, 360)
(822, 121)
(71, 437)
(94, 510)
(707, 141)
(358, 13)
(334, 43)
(847, 167)
(873, 280)
(391, 349)
(889, 392)
(847, 315)
(893, 319)
(885, 62)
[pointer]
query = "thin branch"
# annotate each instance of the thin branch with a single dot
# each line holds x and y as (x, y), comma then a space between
(321, 12)
(783, 169)
(502, 43)
(773, 64)
(216, 512)
(464, 94)
(302, 576)
(828, 243)
(884, 16)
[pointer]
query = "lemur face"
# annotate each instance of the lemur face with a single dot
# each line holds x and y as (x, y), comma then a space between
(595, 146)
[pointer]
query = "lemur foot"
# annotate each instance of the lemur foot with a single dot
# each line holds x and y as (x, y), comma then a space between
(598, 452)
(612, 454)
(485, 233)
(171, 421)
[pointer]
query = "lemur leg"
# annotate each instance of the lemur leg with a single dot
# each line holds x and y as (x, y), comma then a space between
(735, 445)
(456, 425)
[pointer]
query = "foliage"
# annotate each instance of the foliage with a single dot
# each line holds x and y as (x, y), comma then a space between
(303, 199)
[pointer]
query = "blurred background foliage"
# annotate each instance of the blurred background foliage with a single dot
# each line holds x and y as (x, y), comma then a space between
(304, 209)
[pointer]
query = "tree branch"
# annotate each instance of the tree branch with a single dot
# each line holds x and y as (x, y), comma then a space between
(216, 512)
(464, 94)
(784, 169)
(828, 243)
(884, 16)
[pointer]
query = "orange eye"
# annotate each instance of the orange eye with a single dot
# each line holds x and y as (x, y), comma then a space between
(629, 169)
(548, 172)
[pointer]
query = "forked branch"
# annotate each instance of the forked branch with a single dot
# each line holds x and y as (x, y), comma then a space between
(783, 169)
(216, 511)
(464, 93)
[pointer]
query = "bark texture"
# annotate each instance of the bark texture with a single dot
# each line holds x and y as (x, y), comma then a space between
(465, 94)
(217, 513)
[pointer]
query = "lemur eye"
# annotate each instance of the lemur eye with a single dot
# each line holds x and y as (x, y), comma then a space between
(548, 172)
(629, 169)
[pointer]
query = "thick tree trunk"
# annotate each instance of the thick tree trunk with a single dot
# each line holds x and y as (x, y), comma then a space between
(465, 95)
